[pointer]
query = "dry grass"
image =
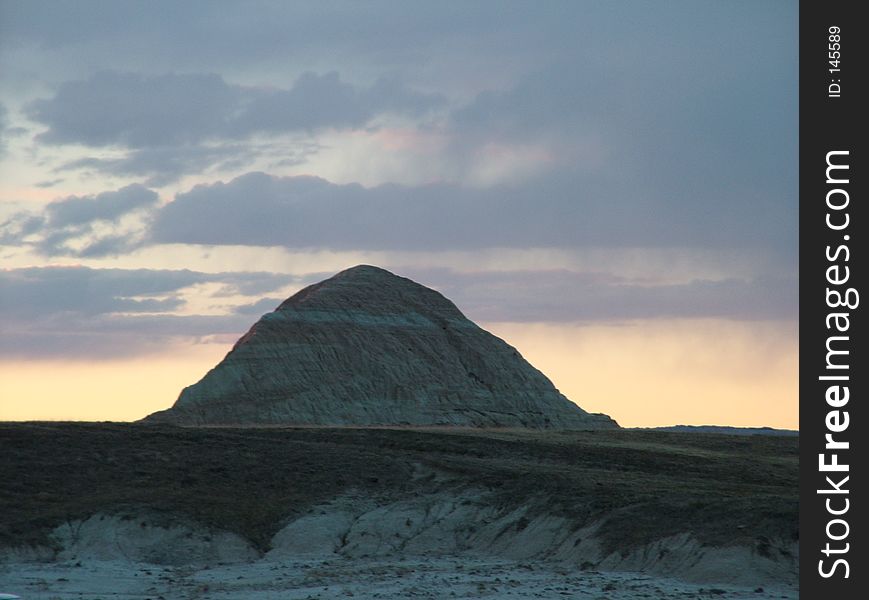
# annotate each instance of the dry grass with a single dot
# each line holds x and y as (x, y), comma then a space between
(724, 489)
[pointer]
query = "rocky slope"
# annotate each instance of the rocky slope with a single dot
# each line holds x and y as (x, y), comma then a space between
(360, 528)
(367, 347)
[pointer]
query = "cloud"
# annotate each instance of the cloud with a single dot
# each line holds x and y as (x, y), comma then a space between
(645, 127)
(144, 111)
(109, 337)
(107, 206)
(542, 102)
(668, 101)
(562, 209)
(324, 101)
(132, 110)
(253, 35)
(3, 125)
(559, 210)
(31, 293)
(259, 307)
(48, 183)
(39, 291)
(52, 310)
(83, 225)
(64, 311)
(570, 296)
(162, 165)
(5, 129)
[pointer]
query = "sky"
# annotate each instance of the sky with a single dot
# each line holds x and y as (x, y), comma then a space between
(611, 187)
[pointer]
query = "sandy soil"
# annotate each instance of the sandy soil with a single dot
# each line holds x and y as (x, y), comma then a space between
(344, 578)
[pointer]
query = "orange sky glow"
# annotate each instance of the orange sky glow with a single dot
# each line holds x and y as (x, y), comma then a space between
(643, 374)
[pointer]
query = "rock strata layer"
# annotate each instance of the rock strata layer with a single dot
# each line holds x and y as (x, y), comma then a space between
(367, 347)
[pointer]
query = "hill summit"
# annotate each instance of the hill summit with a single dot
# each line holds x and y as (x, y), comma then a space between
(367, 347)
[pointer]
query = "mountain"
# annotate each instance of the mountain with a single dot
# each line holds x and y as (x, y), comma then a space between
(366, 347)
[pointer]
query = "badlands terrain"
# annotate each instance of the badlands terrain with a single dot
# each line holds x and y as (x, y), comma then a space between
(108, 510)
(366, 347)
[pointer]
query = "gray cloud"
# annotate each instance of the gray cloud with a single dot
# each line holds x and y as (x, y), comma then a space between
(132, 110)
(31, 293)
(557, 98)
(161, 165)
(4, 128)
(561, 295)
(83, 312)
(111, 336)
(48, 183)
(661, 125)
(67, 226)
(259, 307)
(324, 101)
(646, 130)
(559, 210)
(106, 206)
(674, 90)
(202, 33)
(39, 291)
(138, 111)
(101, 312)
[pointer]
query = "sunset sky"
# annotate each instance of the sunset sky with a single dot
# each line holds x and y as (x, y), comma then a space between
(611, 187)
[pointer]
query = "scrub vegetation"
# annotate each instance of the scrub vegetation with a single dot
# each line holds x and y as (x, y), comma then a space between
(644, 485)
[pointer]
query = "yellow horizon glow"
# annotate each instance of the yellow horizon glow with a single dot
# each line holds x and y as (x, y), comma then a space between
(654, 373)
(642, 373)
(101, 390)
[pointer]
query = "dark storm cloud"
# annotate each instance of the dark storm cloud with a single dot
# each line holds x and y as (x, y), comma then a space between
(563, 210)
(139, 111)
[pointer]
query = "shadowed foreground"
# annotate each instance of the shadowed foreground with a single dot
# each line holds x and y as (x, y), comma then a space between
(625, 491)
